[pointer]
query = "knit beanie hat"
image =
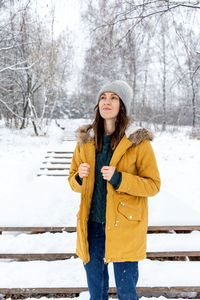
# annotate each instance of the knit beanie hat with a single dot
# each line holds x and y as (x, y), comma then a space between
(120, 88)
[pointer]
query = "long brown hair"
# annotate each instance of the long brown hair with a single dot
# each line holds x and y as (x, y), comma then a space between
(120, 126)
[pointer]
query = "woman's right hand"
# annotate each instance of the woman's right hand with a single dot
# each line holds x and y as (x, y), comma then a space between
(83, 170)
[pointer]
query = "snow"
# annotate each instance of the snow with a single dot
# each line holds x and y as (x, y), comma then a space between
(85, 296)
(66, 242)
(38, 243)
(178, 159)
(71, 273)
(173, 242)
(29, 200)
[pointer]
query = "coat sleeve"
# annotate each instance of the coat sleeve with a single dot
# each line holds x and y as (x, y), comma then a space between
(147, 181)
(73, 172)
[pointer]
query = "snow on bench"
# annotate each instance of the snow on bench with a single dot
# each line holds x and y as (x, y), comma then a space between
(37, 229)
(151, 229)
(59, 246)
(59, 156)
(56, 163)
(69, 274)
(54, 173)
(60, 152)
(190, 292)
(178, 255)
(54, 168)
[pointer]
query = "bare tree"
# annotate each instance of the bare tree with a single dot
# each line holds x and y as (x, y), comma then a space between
(30, 66)
(190, 73)
(143, 46)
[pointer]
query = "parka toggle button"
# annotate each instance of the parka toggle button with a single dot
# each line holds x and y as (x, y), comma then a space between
(116, 223)
(123, 204)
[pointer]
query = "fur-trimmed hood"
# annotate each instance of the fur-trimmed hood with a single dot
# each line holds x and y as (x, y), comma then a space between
(135, 134)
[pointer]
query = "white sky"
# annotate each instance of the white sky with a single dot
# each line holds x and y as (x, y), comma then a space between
(67, 16)
(67, 13)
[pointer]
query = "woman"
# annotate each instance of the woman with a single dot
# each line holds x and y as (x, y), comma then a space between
(115, 170)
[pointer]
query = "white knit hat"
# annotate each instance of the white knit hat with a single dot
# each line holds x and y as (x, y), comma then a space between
(120, 88)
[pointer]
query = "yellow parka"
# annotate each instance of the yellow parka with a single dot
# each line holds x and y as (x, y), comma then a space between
(126, 207)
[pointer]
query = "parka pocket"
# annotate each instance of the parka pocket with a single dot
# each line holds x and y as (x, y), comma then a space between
(129, 211)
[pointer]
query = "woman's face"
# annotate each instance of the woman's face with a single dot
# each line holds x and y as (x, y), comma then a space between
(109, 105)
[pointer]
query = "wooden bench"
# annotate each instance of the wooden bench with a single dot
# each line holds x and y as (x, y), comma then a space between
(60, 152)
(165, 255)
(156, 291)
(159, 254)
(56, 163)
(37, 229)
(74, 289)
(151, 229)
(192, 292)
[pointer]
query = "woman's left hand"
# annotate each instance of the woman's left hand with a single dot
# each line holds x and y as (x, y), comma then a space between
(107, 172)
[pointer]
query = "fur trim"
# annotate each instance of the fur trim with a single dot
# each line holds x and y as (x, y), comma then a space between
(138, 134)
(84, 134)
(135, 134)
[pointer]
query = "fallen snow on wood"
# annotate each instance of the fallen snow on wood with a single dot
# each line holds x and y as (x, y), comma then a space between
(66, 242)
(71, 273)
(85, 296)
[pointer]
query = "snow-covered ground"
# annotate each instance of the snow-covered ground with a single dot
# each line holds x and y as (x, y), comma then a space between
(28, 200)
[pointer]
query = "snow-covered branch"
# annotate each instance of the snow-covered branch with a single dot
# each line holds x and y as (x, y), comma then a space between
(148, 9)
(12, 67)
(10, 110)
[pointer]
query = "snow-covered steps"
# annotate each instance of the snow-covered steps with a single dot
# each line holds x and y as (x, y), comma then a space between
(85, 296)
(173, 242)
(151, 229)
(55, 173)
(40, 229)
(69, 135)
(56, 163)
(161, 256)
(147, 293)
(60, 246)
(159, 277)
(67, 155)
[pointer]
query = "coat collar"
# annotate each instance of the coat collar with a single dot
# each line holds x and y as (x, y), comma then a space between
(134, 134)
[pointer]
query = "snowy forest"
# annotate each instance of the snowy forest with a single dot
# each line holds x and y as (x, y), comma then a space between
(153, 45)
(55, 56)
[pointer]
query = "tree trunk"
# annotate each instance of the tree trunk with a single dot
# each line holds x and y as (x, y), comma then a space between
(193, 109)
(35, 128)
(24, 115)
(164, 84)
(147, 56)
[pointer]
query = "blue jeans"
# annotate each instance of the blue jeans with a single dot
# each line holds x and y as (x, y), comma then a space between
(126, 273)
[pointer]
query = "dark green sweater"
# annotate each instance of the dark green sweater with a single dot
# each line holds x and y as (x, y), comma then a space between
(98, 207)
